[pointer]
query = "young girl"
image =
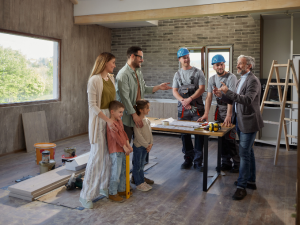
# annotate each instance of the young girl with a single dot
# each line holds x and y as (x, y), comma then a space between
(142, 144)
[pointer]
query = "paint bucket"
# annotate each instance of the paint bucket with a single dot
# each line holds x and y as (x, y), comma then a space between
(40, 147)
(45, 156)
(70, 152)
(47, 166)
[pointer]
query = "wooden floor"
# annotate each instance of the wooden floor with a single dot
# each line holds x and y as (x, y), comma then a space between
(176, 197)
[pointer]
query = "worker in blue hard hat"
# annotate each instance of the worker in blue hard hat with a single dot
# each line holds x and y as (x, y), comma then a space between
(223, 113)
(188, 87)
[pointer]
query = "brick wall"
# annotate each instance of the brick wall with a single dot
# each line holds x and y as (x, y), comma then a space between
(160, 44)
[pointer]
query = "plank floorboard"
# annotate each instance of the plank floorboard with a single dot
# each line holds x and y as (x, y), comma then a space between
(176, 198)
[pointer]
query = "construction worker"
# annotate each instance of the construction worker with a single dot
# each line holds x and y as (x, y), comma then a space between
(188, 87)
(223, 113)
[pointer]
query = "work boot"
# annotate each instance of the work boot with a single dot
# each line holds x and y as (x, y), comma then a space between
(116, 198)
(239, 194)
(234, 169)
(198, 167)
(225, 167)
(187, 164)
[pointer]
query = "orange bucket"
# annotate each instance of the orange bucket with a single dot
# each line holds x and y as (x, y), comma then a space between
(40, 147)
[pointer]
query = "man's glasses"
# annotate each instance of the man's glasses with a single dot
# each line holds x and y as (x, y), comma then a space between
(141, 57)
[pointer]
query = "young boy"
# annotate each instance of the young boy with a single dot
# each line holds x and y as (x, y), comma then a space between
(118, 146)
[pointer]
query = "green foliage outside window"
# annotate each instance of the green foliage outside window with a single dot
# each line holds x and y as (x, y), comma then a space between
(22, 80)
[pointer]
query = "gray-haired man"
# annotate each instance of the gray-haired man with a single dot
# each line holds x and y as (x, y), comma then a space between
(246, 108)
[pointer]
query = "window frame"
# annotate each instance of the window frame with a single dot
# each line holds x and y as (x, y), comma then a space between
(230, 47)
(206, 51)
(59, 41)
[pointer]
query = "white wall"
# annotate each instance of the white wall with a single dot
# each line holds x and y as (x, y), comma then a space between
(276, 44)
(296, 48)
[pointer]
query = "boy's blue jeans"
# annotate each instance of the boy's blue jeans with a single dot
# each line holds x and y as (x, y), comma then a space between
(139, 157)
(117, 182)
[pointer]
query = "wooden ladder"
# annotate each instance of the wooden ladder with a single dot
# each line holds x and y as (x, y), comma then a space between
(282, 101)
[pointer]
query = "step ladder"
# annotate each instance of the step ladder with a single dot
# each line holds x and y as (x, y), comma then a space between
(282, 101)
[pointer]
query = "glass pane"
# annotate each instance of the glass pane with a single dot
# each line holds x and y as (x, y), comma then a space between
(195, 59)
(211, 54)
(28, 69)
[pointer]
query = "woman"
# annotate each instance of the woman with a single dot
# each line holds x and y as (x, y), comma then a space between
(101, 91)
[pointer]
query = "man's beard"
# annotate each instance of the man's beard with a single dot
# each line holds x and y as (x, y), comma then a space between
(136, 65)
(242, 71)
(220, 73)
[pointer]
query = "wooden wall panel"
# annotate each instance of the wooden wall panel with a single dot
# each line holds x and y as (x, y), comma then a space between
(80, 47)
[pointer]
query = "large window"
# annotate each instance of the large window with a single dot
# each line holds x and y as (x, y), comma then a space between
(29, 68)
(201, 58)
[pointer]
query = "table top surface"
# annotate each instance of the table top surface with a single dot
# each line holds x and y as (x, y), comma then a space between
(219, 133)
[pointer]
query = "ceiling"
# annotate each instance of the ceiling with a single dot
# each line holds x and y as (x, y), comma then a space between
(96, 7)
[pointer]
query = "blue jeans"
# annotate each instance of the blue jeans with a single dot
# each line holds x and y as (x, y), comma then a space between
(117, 182)
(139, 156)
(247, 172)
(191, 153)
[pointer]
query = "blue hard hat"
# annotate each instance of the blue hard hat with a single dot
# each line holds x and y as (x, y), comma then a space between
(182, 52)
(217, 59)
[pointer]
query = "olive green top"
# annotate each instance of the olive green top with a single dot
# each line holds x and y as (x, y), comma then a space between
(108, 93)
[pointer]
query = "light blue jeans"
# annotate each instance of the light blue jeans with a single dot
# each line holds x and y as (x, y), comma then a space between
(117, 182)
(247, 171)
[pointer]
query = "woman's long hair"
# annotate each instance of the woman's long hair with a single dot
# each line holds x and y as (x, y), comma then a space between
(100, 63)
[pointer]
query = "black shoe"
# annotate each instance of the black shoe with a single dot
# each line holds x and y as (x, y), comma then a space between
(187, 164)
(225, 167)
(198, 167)
(249, 186)
(239, 194)
(234, 169)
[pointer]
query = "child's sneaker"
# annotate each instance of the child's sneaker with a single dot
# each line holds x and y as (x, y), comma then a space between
(149, 186)
(143, 187)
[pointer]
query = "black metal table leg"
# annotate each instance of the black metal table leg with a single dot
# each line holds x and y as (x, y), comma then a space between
(208, 184)
(219, 154)
(205, 163)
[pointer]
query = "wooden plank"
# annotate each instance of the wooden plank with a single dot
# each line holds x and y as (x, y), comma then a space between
(272, 103)
(280, 65)
(270, 122)
(21, 197)
(281, 118)
(189, 12)
(35, 129)
(282, 84)
(292, 120)
(36, 185)
(267, 87)
(292, 102)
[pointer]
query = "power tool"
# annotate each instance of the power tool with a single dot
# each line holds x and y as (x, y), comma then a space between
(74, 182)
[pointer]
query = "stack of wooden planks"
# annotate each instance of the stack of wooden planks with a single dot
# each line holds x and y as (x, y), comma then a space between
(41, 184)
